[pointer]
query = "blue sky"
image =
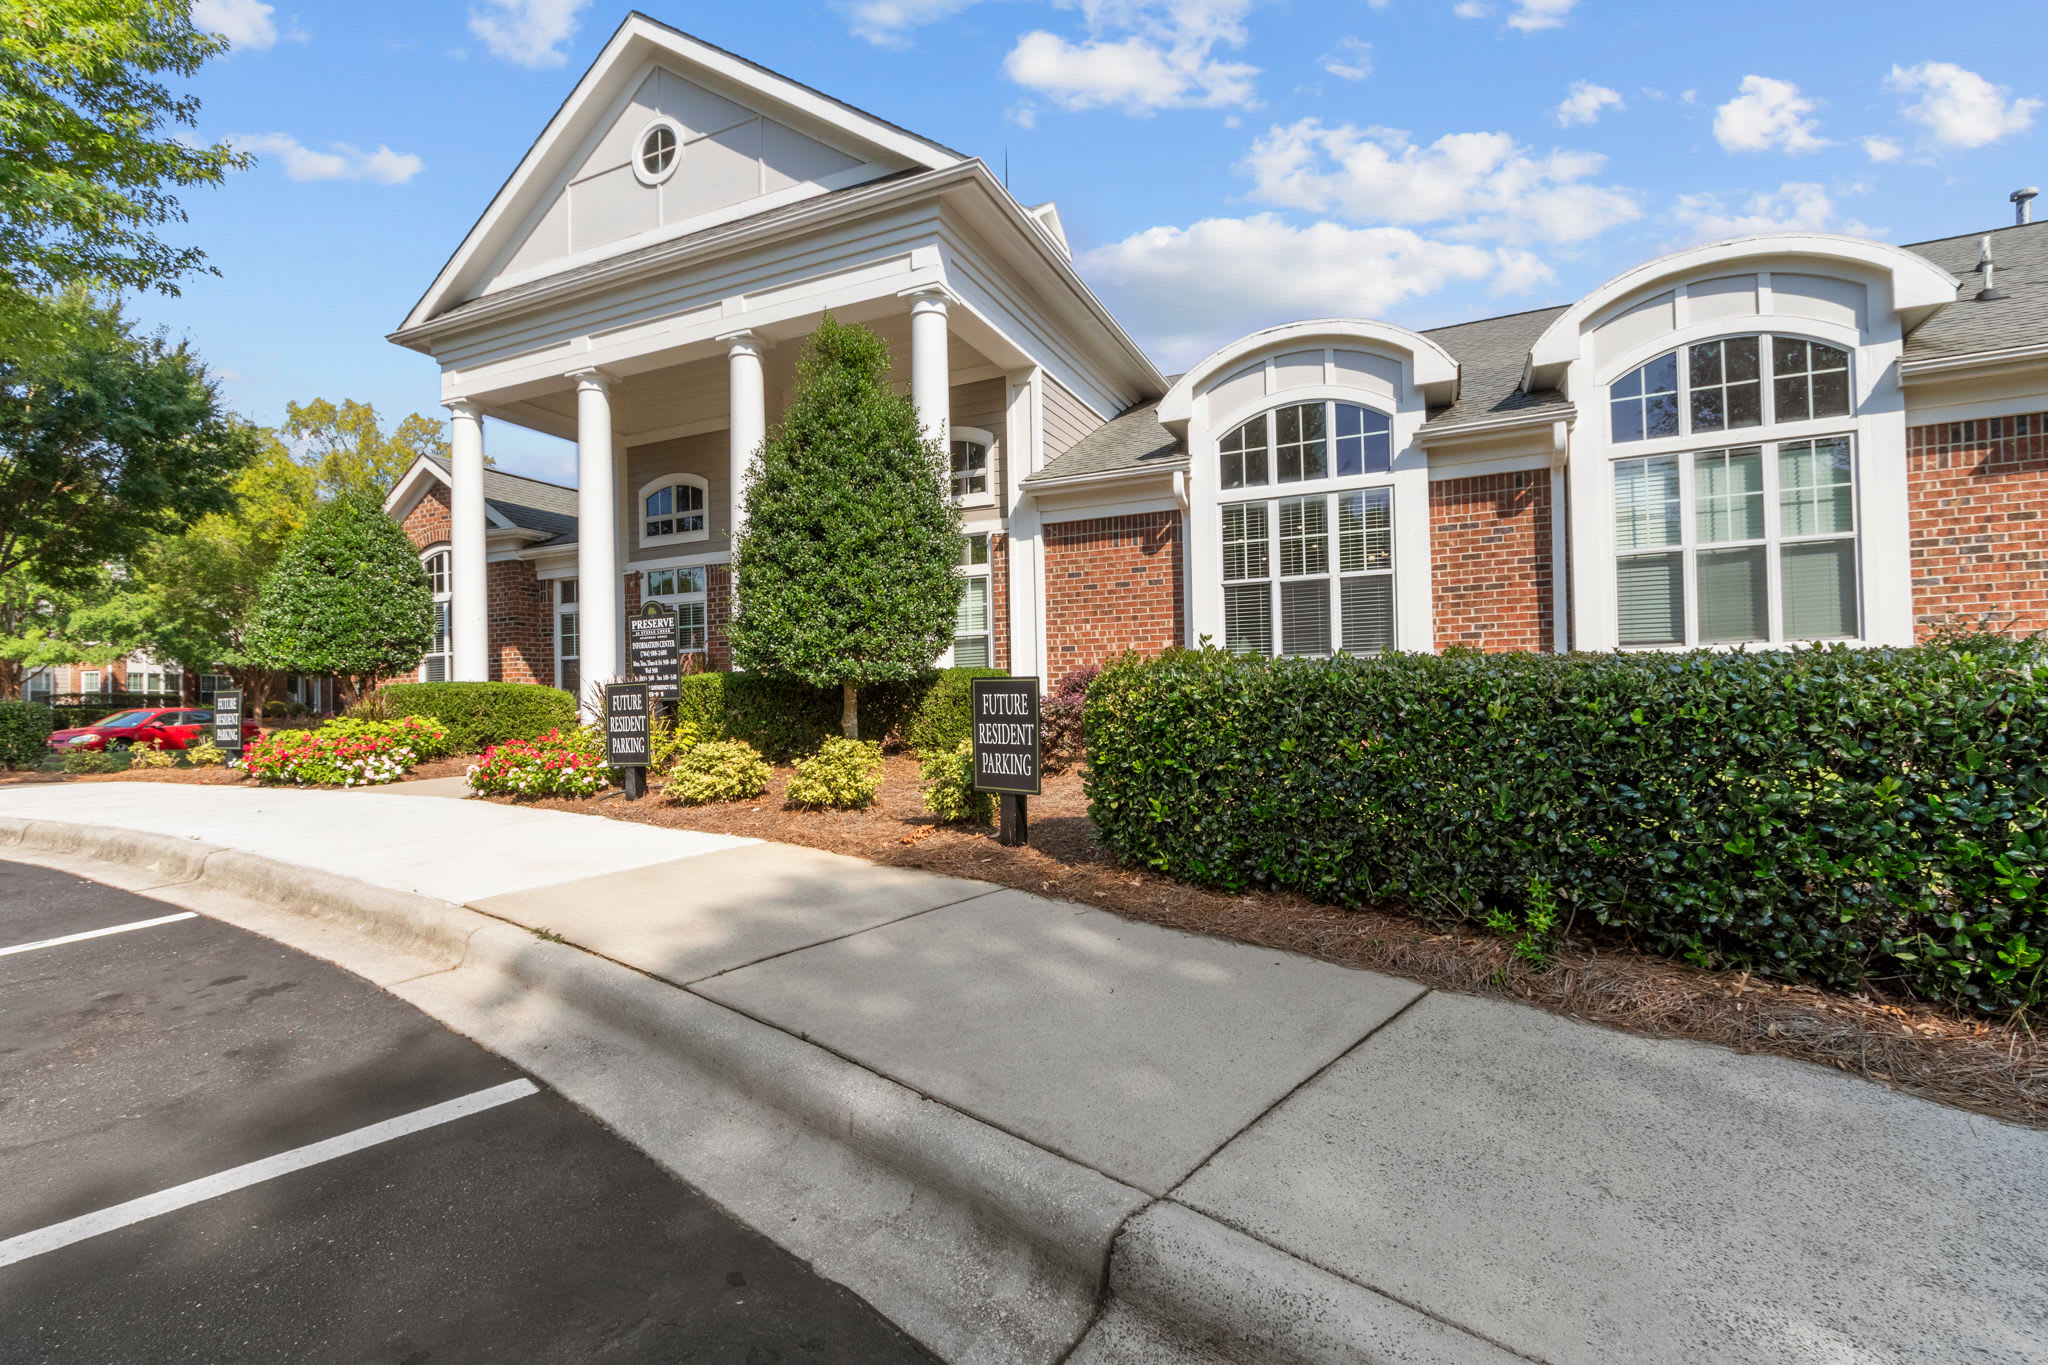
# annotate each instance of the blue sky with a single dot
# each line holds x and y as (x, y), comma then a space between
(1219, 164)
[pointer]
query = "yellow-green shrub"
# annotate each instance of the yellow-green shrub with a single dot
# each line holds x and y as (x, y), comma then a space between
(949, 787)
(717, 770)
(844, 774)
(150, 756)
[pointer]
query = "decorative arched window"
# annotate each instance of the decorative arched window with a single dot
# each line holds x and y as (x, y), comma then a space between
(972, 472)
(435, 666)
(1741, 542)
(1279, 563)
(1721, 386)
(673, 510)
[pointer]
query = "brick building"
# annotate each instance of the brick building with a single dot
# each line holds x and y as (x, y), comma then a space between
(1770, 440)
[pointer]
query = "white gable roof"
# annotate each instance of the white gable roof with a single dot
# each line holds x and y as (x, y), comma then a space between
(752, 141)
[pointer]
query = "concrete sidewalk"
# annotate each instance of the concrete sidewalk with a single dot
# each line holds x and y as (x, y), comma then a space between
(1267, 1157)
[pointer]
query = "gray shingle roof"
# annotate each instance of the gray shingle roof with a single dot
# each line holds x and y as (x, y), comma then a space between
(530, 504)
(1491, 354)
(1130, 440)
(2020, 319)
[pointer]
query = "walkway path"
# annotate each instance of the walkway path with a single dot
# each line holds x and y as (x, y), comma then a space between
(1451, 1178)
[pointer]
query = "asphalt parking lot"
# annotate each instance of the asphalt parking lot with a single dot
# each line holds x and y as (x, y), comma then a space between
(214, 1148)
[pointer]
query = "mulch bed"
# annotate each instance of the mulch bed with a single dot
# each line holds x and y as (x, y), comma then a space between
(1995, 1068)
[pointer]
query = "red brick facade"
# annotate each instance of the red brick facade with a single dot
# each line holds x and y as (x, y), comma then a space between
(717, 617)
(428, 522)
(999, 598)
(1490, 575)
(1977, 493)
(522, 620)
(1112, 584)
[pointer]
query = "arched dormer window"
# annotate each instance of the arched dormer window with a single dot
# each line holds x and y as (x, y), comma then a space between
(673, 510)
(1302, 442)
(1721, 385)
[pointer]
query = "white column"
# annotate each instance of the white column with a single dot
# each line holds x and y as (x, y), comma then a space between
(597, 512)
(469, 624)
(747, 401)
(930, 372)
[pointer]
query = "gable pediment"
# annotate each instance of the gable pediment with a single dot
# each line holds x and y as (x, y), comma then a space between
(748, 141)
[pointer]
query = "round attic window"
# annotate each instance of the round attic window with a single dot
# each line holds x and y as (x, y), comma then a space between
(660, 145)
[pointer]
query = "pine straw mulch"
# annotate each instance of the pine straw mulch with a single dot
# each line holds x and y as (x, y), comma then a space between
(1995, 1068)
(454, 766)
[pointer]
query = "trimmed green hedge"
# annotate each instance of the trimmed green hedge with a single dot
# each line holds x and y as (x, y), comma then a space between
(24, 733)
(480, 714)
(785, 719)
(1832, 815)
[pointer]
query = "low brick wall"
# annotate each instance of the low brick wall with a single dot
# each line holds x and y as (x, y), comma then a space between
(1490, 571)
(1976, 492)
(1112, 584)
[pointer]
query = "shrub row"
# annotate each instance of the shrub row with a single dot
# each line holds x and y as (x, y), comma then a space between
(480, 714)
(24, 733)
(1834, 815)
(785, 719)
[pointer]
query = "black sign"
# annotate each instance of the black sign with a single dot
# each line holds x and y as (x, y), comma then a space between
(626, 712)
(227, 721)
(1005, 735)
(654, 650)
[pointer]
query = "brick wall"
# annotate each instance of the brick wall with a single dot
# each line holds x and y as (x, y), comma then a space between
(522, 619)
(1112, 584)
(999, 598)
(428, 522)
(1489, 540)
(717, 617)
(1976, 493)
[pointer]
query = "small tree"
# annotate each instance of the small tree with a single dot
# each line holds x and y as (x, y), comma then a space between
(347, 597)
(845, 574)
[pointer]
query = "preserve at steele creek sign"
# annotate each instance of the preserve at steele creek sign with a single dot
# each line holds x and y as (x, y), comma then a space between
(1006, 737)
(654, 653)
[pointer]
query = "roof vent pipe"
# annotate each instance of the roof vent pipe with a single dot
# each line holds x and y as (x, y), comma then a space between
(1990, 292)
(2023, 205)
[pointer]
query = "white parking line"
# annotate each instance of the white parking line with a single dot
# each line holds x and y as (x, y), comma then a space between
(256, 1172)
(98, 933)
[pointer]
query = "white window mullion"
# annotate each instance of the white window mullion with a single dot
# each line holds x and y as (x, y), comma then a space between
(1273, 552)
(1688, 534)
(1773, 540)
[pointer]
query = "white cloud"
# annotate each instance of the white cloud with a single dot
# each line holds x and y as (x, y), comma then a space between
(1162, 60)
(1189, 289)
(1486, 184)
(527, 33)
(1352, 61)
(1472, 9)
(246, 24)
(1795, 206)
(887, 23)
(1960, 108)
(1584, 103)
(1882, 149)
(339, 162)
(1767, 114)
(1531, 15)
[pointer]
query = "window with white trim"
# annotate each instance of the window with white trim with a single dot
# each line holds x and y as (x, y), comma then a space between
(568, 638)
(674, 509)
(973, 469)
(1723, 385)
(682, 589)
(1286, 589)
(39, 685)
(1752, 544)
(973, 637)
(656, 152)
(436, 666)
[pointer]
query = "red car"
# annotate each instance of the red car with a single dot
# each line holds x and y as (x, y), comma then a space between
(166, 727)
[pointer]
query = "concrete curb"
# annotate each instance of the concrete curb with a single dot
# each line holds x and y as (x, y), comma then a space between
(981, 1245)
(985, 1247)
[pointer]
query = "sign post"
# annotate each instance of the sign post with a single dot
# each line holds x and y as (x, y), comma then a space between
(626, 739)
(654, 650)
(1006, 749)
(227, 722)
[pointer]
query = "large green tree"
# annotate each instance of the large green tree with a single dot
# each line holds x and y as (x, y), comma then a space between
(845, 575)
(92, 152)
(347, 597)
(349, 451)
(106, 443)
